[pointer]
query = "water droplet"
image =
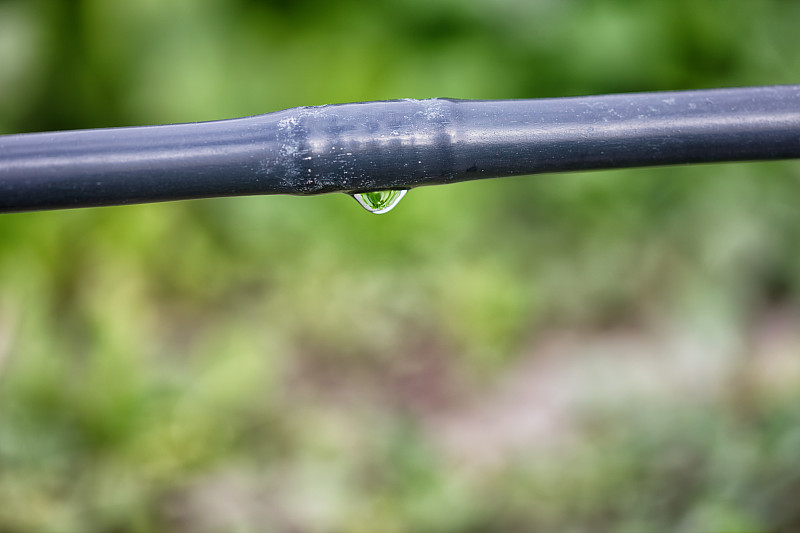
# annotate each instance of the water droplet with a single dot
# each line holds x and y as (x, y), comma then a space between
(379, 202)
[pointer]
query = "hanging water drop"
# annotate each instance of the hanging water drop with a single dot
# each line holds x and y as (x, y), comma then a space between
(379, 202)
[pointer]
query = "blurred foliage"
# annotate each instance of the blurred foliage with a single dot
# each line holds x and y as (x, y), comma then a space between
(276, 363)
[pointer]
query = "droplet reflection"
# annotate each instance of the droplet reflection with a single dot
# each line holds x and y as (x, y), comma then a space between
(379, 202)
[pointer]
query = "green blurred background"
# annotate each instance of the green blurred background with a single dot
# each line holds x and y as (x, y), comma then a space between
(606, 351)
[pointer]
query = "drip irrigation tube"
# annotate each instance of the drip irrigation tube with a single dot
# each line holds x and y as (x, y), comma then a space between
(396, 144)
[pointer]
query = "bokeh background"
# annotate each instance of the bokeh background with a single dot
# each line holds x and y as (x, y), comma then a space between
(604, 351)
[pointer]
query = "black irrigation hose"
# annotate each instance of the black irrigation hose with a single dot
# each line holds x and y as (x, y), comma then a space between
(394, 145)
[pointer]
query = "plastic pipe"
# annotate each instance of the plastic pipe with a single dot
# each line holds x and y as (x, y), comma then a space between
(397, 144)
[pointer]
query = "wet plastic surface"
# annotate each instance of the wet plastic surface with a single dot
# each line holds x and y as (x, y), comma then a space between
(394, 145)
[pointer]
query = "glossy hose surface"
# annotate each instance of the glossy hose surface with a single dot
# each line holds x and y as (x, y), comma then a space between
(394, 145)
